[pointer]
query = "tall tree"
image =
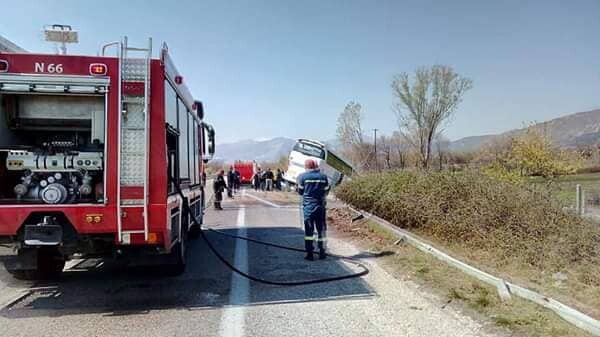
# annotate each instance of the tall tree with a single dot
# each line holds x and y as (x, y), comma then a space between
(349, 125)
(425, 103)
(350, 135)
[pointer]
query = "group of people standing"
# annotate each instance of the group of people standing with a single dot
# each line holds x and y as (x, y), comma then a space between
(313, 186)
(267, 180)
(262, 181)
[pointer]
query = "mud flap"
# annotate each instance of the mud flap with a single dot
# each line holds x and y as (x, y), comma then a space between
(43, 235)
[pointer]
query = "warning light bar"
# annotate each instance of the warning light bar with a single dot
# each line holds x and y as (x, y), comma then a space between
(3, 66)
(98, 69)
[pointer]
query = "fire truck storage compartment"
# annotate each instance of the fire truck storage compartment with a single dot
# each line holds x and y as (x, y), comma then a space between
(52, 148)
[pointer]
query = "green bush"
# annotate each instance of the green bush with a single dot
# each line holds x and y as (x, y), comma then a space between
(513, 223)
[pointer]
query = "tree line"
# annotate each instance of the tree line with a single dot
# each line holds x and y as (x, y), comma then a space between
(424, 104)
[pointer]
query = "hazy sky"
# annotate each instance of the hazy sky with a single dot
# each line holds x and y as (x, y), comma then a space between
(287, 68)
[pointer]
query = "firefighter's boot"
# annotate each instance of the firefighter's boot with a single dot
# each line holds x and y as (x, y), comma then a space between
(322, 255)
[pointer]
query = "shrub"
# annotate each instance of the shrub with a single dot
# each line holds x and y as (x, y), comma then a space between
(514, 223)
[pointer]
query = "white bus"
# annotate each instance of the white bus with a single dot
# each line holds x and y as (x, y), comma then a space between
(331, 164)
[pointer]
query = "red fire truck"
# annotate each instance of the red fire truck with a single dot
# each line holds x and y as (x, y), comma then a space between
(246, 170)
(90, 150)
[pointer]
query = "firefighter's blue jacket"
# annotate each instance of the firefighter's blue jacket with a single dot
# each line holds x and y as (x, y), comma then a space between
(313, 186)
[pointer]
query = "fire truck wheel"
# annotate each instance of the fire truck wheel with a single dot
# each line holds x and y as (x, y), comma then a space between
(49, 265)
(177, 261)
(194, 232)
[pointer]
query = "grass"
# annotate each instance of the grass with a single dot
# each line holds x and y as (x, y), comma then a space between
(379, 231)
(564, 187)
(452, 287)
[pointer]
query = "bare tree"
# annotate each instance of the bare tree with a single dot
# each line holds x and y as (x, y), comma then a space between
(399, 144)
(349, 125)
(385, 148)
(351, 138)
(425, 103)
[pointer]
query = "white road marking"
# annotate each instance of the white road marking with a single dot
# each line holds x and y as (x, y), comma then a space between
(232, 321)
(263, 200)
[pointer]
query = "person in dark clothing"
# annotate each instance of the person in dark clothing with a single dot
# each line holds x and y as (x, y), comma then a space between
(278, 179)
(230, 182)
(238, 181)
(313, 186)
(263, 179)
(219, 186)
(269, 180)
(256, 180)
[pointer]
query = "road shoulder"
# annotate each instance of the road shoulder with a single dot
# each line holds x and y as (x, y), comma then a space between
(448, 286)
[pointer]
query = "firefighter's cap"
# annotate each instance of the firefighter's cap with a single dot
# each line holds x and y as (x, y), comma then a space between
(311, 164)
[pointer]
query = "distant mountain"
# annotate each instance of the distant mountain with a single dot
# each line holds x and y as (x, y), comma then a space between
(468, 144)
(582, 128)
(261, 151)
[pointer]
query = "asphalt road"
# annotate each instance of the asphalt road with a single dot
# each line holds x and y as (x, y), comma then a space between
(105, 298)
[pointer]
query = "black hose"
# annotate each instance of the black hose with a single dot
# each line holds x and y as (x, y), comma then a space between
(365, 270)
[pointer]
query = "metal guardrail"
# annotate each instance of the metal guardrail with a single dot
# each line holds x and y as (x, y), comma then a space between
(505, 288)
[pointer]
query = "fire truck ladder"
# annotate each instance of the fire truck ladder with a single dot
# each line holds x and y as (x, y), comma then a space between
(134, 133)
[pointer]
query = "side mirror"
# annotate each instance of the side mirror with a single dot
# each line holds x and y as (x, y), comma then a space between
(210, 132)
(211, 141)
(199, 107)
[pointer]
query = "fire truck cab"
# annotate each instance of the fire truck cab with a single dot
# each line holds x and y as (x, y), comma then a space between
(91, 148)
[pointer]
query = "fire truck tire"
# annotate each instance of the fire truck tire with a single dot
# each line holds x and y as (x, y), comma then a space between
(195, 228)
(177, 260)
(49, 265)
(194, 232)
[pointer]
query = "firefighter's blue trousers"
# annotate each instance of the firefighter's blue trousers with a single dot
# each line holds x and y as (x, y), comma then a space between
(314, 218)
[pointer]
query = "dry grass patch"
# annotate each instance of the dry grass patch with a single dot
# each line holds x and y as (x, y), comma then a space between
(452, 287)
(518, 232)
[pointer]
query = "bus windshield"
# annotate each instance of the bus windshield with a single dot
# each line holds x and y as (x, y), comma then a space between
(309, 150)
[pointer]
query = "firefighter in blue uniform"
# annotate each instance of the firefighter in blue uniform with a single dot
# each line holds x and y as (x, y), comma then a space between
(313, 186)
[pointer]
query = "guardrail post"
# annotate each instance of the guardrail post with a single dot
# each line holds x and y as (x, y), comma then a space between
(578, 199)
(582, 202)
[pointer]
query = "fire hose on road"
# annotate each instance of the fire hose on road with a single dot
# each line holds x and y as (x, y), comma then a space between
(187, 209)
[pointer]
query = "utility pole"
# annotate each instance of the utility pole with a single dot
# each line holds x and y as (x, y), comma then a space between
(375, 143)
